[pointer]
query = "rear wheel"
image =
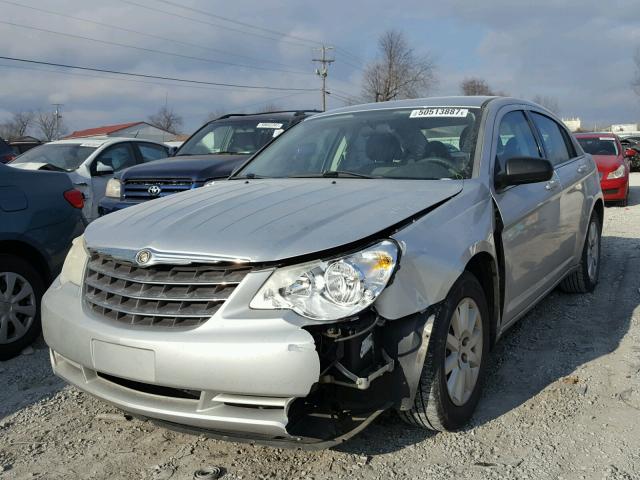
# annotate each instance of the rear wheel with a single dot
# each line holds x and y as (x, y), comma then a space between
(21, 289)
(585, 278)
(451, 379)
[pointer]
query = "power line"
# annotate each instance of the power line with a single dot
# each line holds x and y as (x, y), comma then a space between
(150, 50)
(220, 17)
(149, 35)
(159, 77)
(104, 77)
(204, 22)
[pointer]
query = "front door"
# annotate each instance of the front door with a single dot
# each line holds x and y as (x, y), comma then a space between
(531, 217)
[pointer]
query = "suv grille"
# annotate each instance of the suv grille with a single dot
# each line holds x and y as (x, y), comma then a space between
(148, 189)
(160, 295)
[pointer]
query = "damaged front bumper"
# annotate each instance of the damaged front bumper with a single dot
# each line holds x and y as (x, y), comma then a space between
(269, 379)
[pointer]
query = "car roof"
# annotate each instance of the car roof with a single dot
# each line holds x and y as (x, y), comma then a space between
(455, 101)
(280, 115)
(100, 141)
(610, 135)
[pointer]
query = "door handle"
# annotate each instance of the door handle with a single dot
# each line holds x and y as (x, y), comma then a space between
(582, 169)
(551, 185)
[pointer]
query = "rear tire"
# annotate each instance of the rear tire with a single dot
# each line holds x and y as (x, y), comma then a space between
(585, 278)
(21, 289)
(440, 403)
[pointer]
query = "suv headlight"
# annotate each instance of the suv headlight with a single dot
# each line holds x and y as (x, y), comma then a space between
(617, 173)
(330, 289)
(74, 264)
(114, 188)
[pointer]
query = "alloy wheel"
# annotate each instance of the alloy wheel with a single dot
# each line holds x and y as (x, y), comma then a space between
(463, 352)
(17, 306)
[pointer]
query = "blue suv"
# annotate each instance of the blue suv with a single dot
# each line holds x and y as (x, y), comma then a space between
(212, 153)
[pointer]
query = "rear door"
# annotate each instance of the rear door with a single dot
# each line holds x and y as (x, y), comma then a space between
(572, 170)
(531, 217)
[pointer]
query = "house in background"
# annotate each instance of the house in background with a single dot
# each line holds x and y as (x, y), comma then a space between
(132, 130)
(573, 124)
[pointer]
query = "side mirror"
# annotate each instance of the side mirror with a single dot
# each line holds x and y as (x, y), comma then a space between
(172, 151)
(521, 170)
(103, 169)
(630, 152)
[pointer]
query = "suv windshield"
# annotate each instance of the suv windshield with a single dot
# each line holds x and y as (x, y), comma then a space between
(599, 146)
(64, 156)
(242, 137)
(418, 143)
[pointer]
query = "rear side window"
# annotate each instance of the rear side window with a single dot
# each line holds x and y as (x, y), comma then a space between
(515, 139)
(151, 152)
(555, 143)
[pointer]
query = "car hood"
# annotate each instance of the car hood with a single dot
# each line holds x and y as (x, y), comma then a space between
(196, 167)
(268, 220)
(606, 163)
(28, 165)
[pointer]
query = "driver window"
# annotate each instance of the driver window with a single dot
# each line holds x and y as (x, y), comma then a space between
(117, 157)
(515, 139)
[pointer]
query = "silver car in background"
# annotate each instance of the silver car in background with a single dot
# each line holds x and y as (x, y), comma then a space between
(367, 259)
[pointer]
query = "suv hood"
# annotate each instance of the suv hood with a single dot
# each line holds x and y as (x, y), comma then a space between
(195, 167)
(268, 220)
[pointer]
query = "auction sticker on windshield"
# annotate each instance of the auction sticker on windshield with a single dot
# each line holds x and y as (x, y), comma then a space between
(439, 112)
(270, 125)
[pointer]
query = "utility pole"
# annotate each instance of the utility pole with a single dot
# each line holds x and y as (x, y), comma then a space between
(58, 117)
(323, 70)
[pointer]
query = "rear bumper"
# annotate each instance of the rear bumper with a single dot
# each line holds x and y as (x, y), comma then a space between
(614, 190)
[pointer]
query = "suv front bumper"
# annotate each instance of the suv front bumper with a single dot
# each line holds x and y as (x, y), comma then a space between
(235, 375)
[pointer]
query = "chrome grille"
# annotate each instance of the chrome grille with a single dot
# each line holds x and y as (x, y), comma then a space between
(159, 295)
(139, 189)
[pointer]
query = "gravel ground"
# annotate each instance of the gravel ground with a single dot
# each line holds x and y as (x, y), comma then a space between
(562, 400)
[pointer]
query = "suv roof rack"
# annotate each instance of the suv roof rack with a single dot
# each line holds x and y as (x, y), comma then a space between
(296, 113)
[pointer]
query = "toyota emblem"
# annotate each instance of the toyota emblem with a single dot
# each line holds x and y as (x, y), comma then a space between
(154, 190)
(143, 257)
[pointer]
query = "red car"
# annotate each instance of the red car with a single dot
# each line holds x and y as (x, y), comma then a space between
(613, 164)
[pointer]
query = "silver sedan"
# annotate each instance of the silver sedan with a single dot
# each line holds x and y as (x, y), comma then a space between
(368, 258)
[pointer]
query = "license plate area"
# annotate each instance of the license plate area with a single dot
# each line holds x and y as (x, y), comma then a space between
(123, 361)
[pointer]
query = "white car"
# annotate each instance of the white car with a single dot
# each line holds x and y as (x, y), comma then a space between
(91, 162)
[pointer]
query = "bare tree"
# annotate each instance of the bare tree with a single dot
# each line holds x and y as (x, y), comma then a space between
(269, 107)
(475, 86)
(167, 119)
(50, 125)
(18, 125)
(550, 103)
(398, 72)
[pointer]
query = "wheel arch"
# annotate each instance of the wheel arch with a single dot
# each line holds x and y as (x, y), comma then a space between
(484, 267)
(28, 253)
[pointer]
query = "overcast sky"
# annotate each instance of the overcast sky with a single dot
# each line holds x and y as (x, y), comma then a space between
(579, 52)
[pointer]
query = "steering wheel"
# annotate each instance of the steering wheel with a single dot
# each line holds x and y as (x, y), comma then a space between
(444, 164)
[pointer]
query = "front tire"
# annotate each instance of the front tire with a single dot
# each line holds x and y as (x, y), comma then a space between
(585, 278)
(21, 289)
(451, 379)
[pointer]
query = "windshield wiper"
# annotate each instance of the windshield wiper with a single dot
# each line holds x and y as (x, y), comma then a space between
(248, 176)
(333, 174)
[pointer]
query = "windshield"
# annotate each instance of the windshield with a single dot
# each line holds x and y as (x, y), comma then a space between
(418, 143)
(242, 137)
(65, 156)
(599, 146)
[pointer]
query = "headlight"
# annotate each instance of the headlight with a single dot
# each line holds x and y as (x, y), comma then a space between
(114, 188)
(208, 183)
(74, 264)
(331, 289)
(617, 173)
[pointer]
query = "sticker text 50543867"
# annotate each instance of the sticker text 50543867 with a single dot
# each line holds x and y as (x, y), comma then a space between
(439, 112)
